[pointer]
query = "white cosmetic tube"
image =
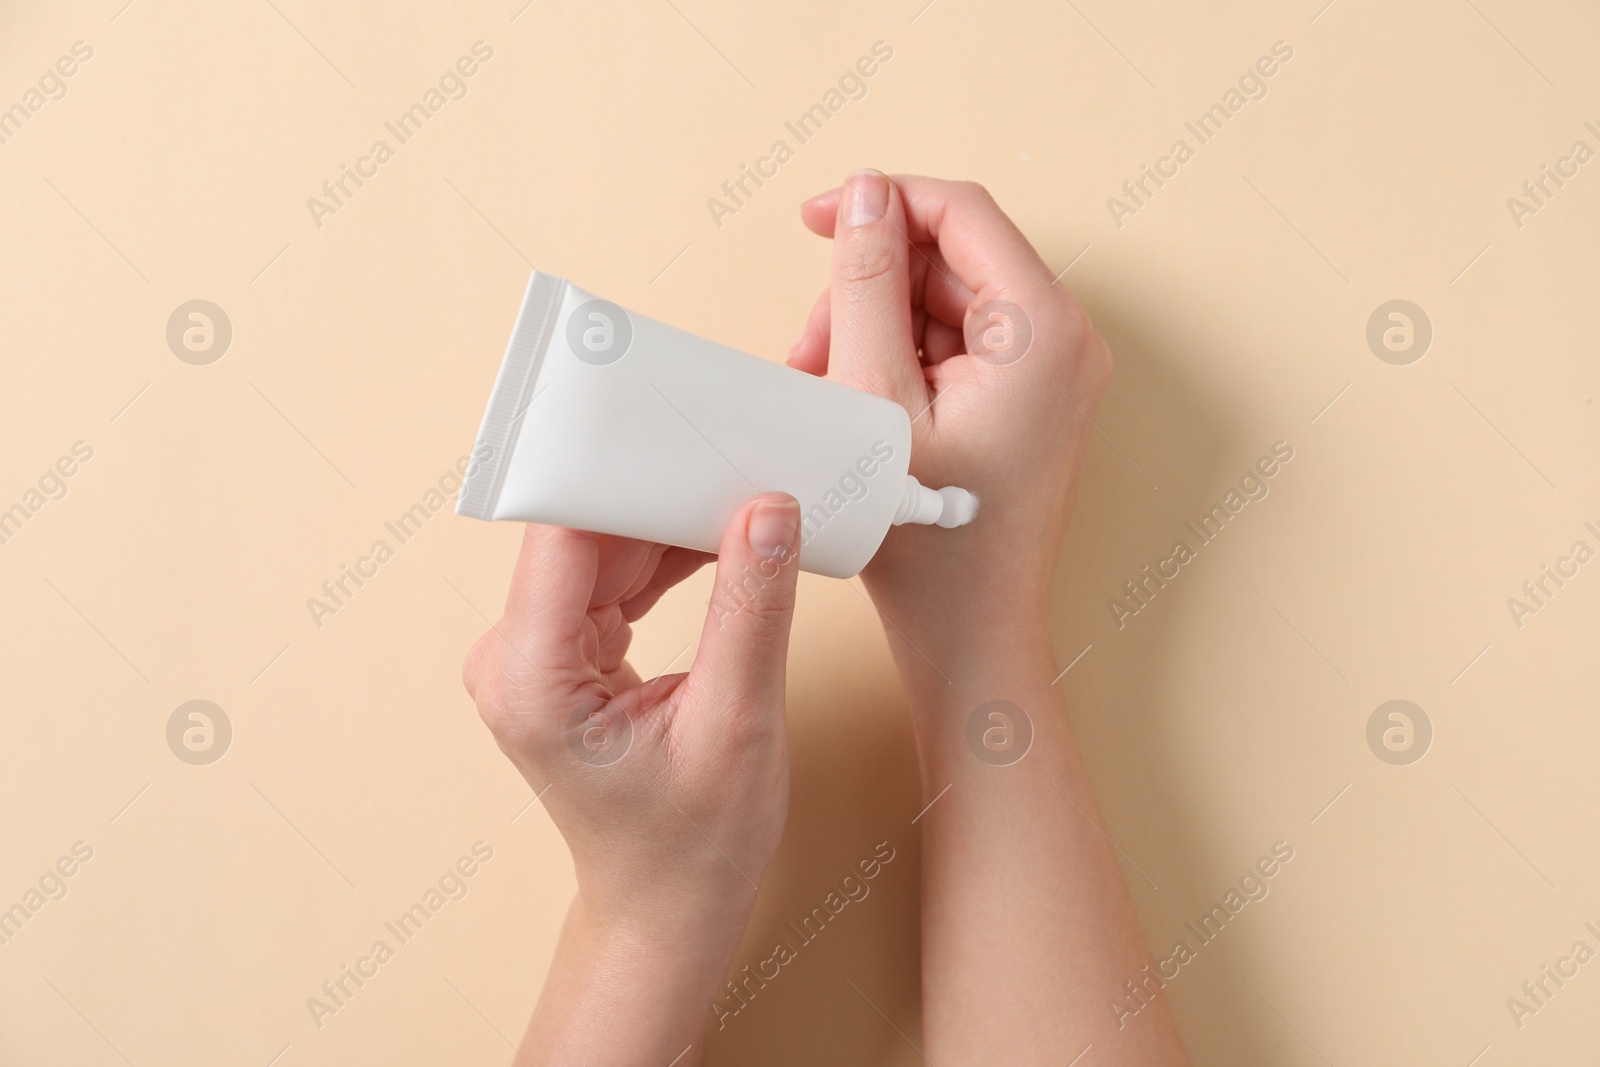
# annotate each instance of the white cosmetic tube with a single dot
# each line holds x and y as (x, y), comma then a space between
(605, 420)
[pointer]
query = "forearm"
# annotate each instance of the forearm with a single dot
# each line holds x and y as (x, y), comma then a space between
(626, 997)
(1028, 933)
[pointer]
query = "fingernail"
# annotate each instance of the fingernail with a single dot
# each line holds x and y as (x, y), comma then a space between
(773, 526)
(866, 197)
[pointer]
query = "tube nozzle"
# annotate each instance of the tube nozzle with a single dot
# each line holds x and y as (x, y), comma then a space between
(948, 507)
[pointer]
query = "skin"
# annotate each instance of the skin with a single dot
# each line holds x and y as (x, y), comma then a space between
(671, 792)
(1028, 933)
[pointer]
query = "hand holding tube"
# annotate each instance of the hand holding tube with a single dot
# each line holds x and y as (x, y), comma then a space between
(671, 792)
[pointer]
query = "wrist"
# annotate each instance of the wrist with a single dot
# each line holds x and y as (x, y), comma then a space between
(971, 660)
(681, 961)
(652, 924)
(988, 692)
(666, 977)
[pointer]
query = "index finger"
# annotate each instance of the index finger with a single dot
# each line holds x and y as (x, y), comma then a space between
(979, 242)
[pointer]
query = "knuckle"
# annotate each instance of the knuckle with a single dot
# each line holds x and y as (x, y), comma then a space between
(492, 689)
(1098, 364)
(767, 611)
(866, 261)
(973, 201)
(769, 614)
(494, 706)
(1087, 355)
(975, 191)
(475, 667)
(1075, 320)
(1066, 318)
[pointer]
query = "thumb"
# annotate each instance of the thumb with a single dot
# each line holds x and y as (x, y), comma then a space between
(745, 643)
(871, 346)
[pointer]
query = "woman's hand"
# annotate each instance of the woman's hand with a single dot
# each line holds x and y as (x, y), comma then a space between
(1028, 936)
(671, 792)
(938, 302)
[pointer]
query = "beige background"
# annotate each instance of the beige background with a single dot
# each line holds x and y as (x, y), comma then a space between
(1223, 718)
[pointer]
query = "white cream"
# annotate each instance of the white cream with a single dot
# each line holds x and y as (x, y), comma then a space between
(605, 420)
